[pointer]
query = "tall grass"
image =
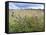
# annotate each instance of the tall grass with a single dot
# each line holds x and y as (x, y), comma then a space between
(26, 23)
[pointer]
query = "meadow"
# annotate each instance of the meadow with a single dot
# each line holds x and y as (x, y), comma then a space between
(30, 20)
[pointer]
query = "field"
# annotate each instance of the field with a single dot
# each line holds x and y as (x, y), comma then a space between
(30, 20)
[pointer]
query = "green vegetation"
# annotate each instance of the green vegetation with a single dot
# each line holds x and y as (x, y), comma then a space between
(26, 21)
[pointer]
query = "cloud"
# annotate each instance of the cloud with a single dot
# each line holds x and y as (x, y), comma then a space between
(25, 6)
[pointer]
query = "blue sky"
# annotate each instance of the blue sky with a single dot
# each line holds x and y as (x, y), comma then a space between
(25, 6)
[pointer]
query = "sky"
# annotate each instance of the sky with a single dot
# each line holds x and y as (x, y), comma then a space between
(25, 6)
